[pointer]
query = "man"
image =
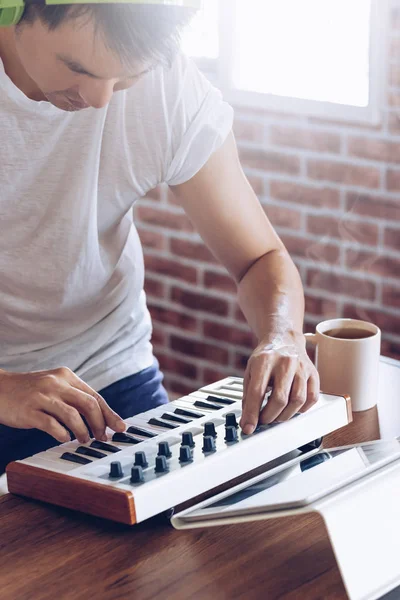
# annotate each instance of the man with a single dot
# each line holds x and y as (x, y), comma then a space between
(97, 107)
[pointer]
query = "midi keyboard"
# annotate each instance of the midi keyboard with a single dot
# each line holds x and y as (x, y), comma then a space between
(168, 455)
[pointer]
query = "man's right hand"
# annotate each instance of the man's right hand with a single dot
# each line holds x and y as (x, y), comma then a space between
(53, 401)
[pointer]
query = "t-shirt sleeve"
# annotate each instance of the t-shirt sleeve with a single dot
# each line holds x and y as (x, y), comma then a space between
(198, 121)
(171, 122)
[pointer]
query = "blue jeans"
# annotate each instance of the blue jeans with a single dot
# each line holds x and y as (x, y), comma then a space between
(129, 396)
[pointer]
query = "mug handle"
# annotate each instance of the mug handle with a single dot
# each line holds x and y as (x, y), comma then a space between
(311, 338)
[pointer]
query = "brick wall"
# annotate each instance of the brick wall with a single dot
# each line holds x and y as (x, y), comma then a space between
(332, 190)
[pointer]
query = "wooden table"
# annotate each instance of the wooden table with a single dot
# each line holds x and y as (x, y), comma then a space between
(48, 553)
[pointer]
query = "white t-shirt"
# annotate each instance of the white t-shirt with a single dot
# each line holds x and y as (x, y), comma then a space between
(71, 263)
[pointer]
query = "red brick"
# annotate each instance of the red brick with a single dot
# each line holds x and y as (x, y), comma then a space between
(374, 149)
(281, 216)
(391, 349)
(178, 388)
(354, 231)
(218, 281)
(373, 206)
(320, 197)
(394, 120)
(341, 284)
(239, 316)
(172, 317)
(393, 180)
(392, 239)
(388, 323)
(308, 139)
(229, 334)
(257, 184)
(316, 251)
(159, 337)
(344, 173)
(251, 131)
(394, 75)
(322, 307)
(339, 124)
(269, 161)
(188, 249)
(172, 268)
(154, 288)
(214, 375)
(370, 262)
(200, 349)
(164, 218)
(391, 295)
(197, 301)
(152, 239)
(155, 194)
(394, 102)
(177, 366)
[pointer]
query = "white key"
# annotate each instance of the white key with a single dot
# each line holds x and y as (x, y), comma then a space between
(44, 461)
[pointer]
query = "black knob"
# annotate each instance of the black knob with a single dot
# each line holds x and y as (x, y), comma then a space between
(161, 465)
(116, 470)
(137, 475)
(209, 429)
(187, 439)
(231, 434)
(209, 443)
(230, 420)
(141, 460)
(185, 454)
(164, 450)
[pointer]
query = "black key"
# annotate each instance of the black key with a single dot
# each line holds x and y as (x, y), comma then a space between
(75, 458)
(104, 446)
(125, 439)
(226, 401)
(159, 423)
(188, 413)
(171, 417)
(203, 404)
(90, 452)
(143, 432)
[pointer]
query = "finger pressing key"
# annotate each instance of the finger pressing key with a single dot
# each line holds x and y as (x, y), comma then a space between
(88, 406)
(256, 387)
(110, 417)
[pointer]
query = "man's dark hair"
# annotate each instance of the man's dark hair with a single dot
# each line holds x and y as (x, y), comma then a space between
(134, 32)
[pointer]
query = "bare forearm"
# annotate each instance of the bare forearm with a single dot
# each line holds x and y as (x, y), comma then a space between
(272, 298)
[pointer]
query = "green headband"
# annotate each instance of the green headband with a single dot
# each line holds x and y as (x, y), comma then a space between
(11, 11)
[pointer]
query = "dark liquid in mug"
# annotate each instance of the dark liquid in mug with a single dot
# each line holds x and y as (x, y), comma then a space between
(349, 334)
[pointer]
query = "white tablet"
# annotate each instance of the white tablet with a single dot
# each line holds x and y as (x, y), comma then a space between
(296, 484)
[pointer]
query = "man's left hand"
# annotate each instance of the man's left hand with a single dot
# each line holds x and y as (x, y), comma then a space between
(281, 362)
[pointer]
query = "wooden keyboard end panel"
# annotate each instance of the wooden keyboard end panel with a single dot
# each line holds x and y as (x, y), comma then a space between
(69, 492)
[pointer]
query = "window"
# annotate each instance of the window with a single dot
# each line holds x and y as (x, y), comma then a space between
(317, 57)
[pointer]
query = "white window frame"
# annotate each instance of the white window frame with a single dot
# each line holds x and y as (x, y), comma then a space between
(372, 114)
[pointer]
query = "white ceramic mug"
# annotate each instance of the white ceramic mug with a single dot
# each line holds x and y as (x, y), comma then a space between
(348, 366)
